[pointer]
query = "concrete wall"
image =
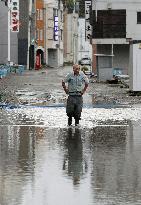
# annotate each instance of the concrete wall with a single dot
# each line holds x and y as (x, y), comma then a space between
(4, 37)
(84, 47)
(135, 69)
(71, 38)
(23, 33)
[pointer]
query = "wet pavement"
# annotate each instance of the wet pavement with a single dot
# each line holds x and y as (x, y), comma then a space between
(44, 162)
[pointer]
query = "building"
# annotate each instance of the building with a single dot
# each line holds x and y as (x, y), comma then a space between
(115, 24)
(18, 40)
(4, 38)
(53, 33)
(70, 37)
(23, 32)
(39, 34)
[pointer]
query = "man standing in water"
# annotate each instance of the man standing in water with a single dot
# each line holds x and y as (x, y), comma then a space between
(77, 84)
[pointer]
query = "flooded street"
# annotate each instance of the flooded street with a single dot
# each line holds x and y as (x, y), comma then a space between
(45, 162)
(70, 102)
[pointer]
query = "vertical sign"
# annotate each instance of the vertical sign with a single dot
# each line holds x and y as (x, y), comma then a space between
(15, 15)
(95, 8)
(56, 28)
(88, 27)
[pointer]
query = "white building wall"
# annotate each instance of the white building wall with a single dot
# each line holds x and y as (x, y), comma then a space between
(72, 38)
(84, 47)
(54, 49)
(134, 67)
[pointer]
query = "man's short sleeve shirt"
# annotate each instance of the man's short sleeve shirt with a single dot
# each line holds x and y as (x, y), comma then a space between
(76, 82)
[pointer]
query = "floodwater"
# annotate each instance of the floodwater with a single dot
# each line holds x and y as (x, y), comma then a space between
(44, 162)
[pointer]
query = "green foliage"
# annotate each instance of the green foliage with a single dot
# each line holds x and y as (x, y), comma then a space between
(84, 68)
(81, 8)
(70, 5)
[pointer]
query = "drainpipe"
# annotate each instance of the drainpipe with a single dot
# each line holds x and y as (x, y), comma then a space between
(29, 30)
(112, 54)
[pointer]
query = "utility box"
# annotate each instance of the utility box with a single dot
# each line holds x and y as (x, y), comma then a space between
(104, 67)
(135, 66)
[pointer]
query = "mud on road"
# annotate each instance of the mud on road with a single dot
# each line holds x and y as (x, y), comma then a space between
(43, 87)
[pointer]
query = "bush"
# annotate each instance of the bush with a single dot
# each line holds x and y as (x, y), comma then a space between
(84, 68)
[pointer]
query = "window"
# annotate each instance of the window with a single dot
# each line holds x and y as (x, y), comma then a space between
(41, 35)
(41, 14)
(37, 14)
(61, 34)
(139, 17)
(109, 24)
(37, 34)
(55, 12)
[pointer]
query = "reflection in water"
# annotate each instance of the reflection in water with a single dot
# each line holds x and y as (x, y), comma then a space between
(43, 166)
(26, 149)
(17, 146)
(74, 162)
(116, 171)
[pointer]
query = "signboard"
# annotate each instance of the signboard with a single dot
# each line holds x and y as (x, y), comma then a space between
(95, 8)
(14, 15)
(56, 28)
(88, 27)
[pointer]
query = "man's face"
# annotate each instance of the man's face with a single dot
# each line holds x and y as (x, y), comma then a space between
(76, 69)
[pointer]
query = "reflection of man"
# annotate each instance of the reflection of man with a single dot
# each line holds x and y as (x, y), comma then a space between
(77, 85)
(74, 162)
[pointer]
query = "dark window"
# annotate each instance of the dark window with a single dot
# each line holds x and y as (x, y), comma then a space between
(55, 12)
(138, 17)
(61, 34)
(109, 24)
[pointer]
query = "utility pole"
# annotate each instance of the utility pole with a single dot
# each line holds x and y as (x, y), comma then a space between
(9, 32)
(29, 31)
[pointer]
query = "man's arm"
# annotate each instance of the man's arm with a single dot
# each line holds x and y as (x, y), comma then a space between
(85, 88)
(64, 87)
(86, 80)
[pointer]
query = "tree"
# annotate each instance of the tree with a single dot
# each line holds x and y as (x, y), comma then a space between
(70, 5)
(81, 8)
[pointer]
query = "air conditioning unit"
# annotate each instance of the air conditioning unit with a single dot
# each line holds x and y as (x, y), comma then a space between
(57, 45)
(109, 5)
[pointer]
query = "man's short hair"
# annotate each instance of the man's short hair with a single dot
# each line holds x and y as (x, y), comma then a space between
(76, 65)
